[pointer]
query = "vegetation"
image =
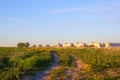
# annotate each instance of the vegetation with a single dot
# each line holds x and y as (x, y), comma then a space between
(21, 45)
(100, 64)
(40, 46)
(15, 62)
(47, 45)
(34, 46)
(99, 61)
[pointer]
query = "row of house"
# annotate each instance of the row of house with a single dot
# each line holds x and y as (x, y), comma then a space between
(91, 44)
(112, 44)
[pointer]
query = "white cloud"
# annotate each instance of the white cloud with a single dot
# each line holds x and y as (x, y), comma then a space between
(59, 11)
(94, 8)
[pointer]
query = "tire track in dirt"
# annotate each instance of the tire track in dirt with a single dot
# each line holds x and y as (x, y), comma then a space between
(75, 72)
(42, 75)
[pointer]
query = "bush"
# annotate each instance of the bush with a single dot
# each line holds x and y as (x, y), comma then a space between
(30, 63)
(4, 61)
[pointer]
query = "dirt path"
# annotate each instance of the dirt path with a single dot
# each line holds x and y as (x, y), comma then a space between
(76, 71)
(43, 74)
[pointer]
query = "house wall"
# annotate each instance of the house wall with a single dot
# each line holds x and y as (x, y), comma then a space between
(108, 44)
(79, 44)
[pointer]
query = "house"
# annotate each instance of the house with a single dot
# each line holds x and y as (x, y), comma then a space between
(68, 45)
(58, 45)
(96, 44)
(79, 44)
(90, 44)
(108, 44)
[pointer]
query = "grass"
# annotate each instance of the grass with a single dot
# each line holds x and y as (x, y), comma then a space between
(16, 62)
(98, 61)
(101, 63)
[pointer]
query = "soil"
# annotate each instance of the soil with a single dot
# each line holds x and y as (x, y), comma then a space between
(41, 75)
(73, 72)
(76, 72)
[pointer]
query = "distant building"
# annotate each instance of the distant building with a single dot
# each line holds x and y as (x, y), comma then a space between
(79, 44)
(108, 44)
(96, 44)
(58, 45)
(91, 44)
(68, 45)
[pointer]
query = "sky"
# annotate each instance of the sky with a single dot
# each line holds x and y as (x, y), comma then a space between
(58, 21)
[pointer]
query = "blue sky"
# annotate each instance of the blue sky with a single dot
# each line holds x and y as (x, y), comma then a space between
(59, 21)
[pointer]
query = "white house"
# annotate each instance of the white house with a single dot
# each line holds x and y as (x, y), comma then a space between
(79, 44)
(96, 44)
(108, 44)
(58, 45)
(68, 45)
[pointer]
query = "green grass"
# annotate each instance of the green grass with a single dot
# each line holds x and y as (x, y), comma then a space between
(16, 62)
(99, 60)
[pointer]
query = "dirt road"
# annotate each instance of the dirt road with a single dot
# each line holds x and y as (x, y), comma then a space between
(75, 72)
(43, 74)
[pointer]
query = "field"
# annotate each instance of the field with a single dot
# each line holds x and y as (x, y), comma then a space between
(77, 64)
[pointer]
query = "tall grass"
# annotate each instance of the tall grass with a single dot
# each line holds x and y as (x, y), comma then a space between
(15, 62)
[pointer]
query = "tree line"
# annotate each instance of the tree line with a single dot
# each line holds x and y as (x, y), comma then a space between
(27, 45)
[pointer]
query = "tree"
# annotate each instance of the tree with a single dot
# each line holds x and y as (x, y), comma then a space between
(47, 45)
(91, 46)
(20, 45)
(40, 45)
(27, 44)
(33, 46)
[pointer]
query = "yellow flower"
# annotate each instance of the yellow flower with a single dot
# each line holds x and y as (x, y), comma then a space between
(94, 75)
(87, 67)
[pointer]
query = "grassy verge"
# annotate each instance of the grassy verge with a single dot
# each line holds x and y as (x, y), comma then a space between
(15, 62)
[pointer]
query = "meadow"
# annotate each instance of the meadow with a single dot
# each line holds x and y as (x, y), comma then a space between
(16, 62)
(99, 64)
